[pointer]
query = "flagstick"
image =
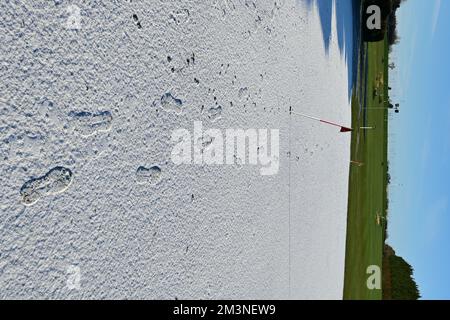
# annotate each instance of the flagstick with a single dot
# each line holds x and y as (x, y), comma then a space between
(368, 128)
(343, 128)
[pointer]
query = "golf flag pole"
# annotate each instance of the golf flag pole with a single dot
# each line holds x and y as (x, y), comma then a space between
(343, 128)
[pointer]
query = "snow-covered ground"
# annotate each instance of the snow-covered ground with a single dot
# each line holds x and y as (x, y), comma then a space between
(91, 204)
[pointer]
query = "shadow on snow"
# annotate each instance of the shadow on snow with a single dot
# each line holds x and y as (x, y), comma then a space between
(347, 21)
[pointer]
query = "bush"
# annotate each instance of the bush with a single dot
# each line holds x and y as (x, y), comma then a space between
(403, 286)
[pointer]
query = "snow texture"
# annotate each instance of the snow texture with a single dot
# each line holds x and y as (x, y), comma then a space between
(90, 92)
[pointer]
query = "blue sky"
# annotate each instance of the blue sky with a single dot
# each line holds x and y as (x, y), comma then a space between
(419, 222)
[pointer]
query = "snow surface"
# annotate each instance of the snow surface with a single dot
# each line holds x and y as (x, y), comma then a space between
(87, 182)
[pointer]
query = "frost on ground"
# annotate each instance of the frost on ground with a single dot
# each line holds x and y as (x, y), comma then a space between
(90, 93)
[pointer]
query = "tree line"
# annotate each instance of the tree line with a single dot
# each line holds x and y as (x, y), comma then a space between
(392, 31)
(398, 280)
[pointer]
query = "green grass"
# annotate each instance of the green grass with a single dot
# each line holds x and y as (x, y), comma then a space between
(367, 184)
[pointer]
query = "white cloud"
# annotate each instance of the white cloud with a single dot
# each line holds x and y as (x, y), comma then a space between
(434, 218)
(426, 146)
(435, 19)
(407, 67)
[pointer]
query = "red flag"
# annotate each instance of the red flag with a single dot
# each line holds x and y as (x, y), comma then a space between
(345, 129)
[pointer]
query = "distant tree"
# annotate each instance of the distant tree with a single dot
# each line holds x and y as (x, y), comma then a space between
(403, 284)
(392, 32)
(398, 281)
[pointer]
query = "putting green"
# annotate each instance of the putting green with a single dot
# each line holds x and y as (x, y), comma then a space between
(367, 204)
